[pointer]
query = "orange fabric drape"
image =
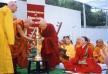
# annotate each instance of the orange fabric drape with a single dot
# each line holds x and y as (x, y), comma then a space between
(20, 48)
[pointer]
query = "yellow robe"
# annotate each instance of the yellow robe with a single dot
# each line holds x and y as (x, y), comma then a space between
(70, 51)
(6, 39)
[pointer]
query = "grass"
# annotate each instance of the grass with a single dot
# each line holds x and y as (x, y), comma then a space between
(55, 71)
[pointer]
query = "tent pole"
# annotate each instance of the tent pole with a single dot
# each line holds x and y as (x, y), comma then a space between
(84, 15)
(106, 18)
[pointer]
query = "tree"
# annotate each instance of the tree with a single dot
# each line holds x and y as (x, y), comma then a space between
(92, 19)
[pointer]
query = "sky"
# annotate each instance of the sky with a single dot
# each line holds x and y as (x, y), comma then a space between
(6, 1)
(76, 0)
(103, 4)
(84, 1)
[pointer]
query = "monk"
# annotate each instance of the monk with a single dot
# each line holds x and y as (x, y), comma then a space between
(6, 37)
(96, 54)
(63, 55)
(50, 49)
(69, 47)
(20, 50)
(83, 61)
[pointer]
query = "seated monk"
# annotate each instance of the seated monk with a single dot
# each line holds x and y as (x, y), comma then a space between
(96, 54)
(83, 61)
(63, 55)
(68, 46)
(20, 48)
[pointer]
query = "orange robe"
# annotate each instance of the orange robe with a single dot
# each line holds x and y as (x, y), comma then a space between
(20, 48)
(97, 55)
(83, 63)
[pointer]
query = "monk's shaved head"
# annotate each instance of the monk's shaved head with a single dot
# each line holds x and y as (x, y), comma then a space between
(42, 21)
(100, 41)
(12, 5)
(28, 21)
(42, 24)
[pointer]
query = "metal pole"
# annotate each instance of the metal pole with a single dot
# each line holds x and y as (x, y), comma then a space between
(106, 18)
(84, 15)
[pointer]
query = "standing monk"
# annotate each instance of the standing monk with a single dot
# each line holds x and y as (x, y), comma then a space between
(50, 49)
(20, 50)
(6, 37)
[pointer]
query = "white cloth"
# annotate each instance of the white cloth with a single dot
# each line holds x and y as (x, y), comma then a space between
(104, 68)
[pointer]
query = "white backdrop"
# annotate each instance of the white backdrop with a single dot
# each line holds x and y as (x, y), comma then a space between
(71, 22)
(70, 18)
(21, 10)
(92, 33)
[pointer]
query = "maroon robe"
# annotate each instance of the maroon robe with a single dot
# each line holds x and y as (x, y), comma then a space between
(90, 64)
(50, 48)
